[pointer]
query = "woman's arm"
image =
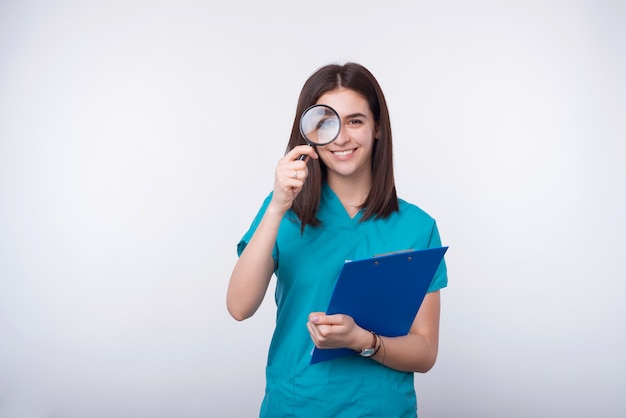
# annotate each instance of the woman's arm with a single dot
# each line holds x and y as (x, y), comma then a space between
(254, 268)
(415, 352)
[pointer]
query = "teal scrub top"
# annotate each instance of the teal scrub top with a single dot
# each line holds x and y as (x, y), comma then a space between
(306, 267)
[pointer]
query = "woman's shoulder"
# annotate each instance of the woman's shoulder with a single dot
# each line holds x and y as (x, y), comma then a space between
(411, 210)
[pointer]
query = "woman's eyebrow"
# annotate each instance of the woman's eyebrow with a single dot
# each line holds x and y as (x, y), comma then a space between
(356, 115)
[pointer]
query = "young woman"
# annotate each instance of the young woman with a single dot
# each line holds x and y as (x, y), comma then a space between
(338, 203)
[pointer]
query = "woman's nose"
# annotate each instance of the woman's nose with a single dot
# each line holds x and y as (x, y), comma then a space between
(342, 138)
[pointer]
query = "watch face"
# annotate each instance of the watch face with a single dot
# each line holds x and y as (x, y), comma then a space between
(368, 352)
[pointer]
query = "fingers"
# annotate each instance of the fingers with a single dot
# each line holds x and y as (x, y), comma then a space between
(319, 334)
(331, 331)
(290, 175)
(292, 167)
(302, 150)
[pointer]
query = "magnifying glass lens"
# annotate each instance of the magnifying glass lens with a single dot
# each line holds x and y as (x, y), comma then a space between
(327, 130)
(320, 125)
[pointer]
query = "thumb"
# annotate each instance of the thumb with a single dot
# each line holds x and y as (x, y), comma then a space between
(315, 317)
(320, 318)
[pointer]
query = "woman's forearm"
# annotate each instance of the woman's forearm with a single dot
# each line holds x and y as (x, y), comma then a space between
(409, 353)
(417, 351)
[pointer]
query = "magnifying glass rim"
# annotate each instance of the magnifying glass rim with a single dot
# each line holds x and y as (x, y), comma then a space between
(319, 143)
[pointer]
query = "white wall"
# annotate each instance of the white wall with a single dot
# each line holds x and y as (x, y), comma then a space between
(134, 152)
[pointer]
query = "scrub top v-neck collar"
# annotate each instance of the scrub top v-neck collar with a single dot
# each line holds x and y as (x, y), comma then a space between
(332, 204)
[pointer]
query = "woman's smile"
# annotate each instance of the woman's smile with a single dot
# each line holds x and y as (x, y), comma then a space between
(344, 153)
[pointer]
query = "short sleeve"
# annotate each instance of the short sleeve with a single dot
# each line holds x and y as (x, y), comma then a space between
(440, 280)
(241, 245)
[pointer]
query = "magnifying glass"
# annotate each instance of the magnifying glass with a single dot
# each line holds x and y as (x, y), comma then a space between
(319, 125)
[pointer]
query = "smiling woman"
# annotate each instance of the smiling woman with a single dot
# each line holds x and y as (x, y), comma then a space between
(346, 199)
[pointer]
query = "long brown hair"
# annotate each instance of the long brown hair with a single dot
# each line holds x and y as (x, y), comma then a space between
(382, 199)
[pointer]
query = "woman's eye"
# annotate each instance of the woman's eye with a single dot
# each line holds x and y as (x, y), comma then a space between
(355, 122)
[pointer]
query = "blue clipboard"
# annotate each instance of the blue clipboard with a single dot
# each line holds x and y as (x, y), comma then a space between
(382, 293)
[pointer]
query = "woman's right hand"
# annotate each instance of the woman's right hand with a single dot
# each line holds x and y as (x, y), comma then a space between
(290, 175)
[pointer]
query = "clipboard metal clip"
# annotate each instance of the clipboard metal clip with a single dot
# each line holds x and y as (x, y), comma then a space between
(393, 252)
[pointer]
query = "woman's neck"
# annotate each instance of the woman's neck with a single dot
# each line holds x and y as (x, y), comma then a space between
(351, 191)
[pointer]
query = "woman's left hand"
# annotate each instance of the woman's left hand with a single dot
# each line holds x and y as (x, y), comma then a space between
(337, 331)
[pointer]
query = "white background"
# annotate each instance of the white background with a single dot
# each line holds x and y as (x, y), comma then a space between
(138, 139)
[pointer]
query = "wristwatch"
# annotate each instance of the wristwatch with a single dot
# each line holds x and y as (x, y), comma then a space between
(370, 351)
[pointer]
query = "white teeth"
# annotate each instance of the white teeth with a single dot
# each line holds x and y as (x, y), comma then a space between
(342, 153)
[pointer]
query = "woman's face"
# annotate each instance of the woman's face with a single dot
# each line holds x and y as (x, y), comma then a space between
(350, 155)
